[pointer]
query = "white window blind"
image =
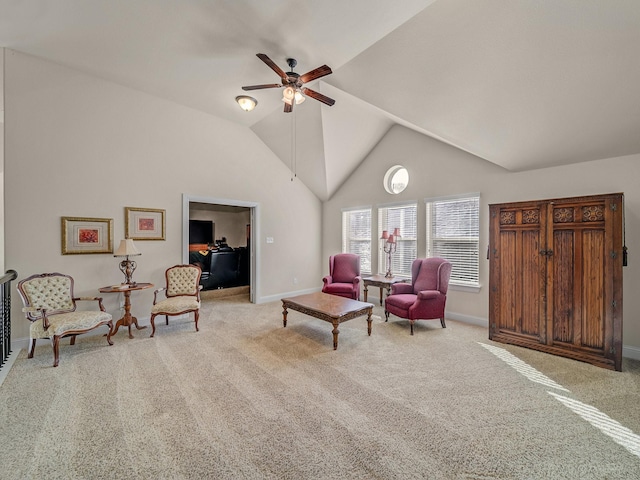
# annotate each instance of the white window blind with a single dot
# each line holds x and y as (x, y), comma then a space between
(453, 233)
(403, 217)
(356, 235)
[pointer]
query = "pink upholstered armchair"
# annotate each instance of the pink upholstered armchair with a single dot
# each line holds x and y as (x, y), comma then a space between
(425, 297)
(344, 276)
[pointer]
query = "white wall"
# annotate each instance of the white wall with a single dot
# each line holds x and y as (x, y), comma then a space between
(437, 169)
(80, 146)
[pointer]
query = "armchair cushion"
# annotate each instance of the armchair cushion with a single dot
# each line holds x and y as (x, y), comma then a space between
(175, 305)
(63, 323)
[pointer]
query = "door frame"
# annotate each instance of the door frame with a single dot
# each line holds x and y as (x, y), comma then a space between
(254, 248)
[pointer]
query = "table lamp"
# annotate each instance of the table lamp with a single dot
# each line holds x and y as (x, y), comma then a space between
(127, 249)
(389, 247)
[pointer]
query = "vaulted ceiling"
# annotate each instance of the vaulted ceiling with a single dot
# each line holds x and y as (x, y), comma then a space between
(524, 84)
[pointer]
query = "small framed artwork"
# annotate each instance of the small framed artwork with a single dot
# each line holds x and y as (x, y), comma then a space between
(143, 223)
(87, 235)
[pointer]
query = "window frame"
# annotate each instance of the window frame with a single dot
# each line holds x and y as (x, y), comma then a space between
(348, 239)
(407, 243)
(465, 245)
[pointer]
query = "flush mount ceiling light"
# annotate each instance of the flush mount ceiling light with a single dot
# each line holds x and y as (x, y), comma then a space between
(246, 102)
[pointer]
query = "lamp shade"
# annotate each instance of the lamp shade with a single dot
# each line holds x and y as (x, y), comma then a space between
(385, 235)
(126, 249)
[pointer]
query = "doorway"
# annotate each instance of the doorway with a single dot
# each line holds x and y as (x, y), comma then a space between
(234, 227)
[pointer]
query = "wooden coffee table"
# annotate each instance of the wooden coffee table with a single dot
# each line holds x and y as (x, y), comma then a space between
(330, 308)
(382, 282)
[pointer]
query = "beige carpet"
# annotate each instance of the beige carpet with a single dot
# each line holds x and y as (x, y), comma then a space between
(247, 398)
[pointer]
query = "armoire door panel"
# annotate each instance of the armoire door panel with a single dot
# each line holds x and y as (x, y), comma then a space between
(508, 285)
(563, 305)
(531, 269)
(592, 321)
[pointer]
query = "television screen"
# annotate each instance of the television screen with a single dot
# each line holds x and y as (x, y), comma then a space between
(201, 231)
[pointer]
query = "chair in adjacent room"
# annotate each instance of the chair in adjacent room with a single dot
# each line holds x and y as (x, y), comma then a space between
(182, 294)
(50, 306)
(425, 297)
(344, 276)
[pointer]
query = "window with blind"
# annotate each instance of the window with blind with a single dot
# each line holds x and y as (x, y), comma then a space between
(356, 235)
(403, 217)
(453, 230)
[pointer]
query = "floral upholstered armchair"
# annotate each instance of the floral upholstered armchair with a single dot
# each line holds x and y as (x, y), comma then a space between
(344, 276)
(425, 297)
(50, 306)
(182, 294)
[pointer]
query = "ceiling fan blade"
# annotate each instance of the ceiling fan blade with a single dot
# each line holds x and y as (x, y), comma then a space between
(258, 87)
(315, 73)
(288, 107)
(318, 96)
(272, 65)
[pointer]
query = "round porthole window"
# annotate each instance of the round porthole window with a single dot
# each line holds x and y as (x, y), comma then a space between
(396, 179)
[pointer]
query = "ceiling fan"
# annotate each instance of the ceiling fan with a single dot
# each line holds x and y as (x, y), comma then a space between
(294, 90)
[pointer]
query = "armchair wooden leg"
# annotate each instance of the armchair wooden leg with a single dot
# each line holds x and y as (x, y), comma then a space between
(55, 343)
(32, 348)
(196, 314)
(411, 323)
(153, 325)
(386, 316)
(110, 325)
(442, 323)
(166, 319)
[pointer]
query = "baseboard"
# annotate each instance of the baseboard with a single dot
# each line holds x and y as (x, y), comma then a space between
(631, 352)
(280, 296)
(480, 322)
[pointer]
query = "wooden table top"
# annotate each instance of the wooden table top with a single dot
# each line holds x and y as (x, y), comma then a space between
(331, 305)
(125, 287)
(380, 278)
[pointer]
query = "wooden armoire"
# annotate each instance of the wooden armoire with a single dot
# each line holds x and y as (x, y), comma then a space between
(556, 276)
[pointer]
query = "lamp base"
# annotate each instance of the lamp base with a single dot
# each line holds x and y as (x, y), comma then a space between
(128, 267)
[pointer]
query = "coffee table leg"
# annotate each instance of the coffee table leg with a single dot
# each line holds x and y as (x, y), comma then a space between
(381, 295)
(369, 320)
(366, 292)
(284, 315)
(335, 334)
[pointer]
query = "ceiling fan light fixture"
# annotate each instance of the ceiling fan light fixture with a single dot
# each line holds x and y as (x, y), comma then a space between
(299, 97)
(246, 102)
(288, 101)
(289, 93)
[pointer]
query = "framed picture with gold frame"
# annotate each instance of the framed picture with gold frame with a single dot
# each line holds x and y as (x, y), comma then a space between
(144, 223)
(86, 235)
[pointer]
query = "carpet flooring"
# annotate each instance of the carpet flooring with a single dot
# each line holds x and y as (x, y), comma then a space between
(245, 398)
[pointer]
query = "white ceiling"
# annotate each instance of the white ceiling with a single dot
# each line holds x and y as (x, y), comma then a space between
(523, 84)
